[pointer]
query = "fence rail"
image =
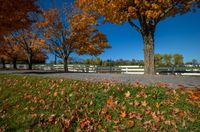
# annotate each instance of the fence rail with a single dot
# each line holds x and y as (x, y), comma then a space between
(112, 69)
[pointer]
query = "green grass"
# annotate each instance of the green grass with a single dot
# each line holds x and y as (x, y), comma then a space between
(46, 104)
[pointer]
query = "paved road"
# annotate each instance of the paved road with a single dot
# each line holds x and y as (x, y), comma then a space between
(172, 81)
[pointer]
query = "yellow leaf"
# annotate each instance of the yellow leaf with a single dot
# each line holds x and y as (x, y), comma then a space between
(127, 94)
(55, 94)
(157, 105)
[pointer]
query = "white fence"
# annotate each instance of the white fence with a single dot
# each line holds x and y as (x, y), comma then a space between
(111, 69)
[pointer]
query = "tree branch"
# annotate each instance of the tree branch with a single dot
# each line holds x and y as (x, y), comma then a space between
(163, 15)
(134, 26)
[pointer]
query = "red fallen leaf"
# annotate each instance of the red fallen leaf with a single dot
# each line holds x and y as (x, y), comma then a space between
(108, 117)
(110, 101)
(123, 114)
(182, 113)
(84, 122)
(193, 97)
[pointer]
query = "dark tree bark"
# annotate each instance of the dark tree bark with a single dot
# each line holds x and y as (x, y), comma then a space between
(66, 64)
(3, 63)
(55, 61)
(149, 68)
(30, 62)
(14, 63)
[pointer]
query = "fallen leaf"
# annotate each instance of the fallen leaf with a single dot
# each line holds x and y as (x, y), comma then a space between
(84, 122)
(144, 103)
(131, 123)
(55, 94)
(136, 103)
(108, 117)
(104, 111)
(123, 114)
(157, 105)
(127, 94)
(110, 101)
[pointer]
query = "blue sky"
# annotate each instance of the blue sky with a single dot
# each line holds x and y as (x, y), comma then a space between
(180, 34)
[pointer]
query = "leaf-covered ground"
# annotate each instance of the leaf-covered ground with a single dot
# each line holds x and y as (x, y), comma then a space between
(38, 103)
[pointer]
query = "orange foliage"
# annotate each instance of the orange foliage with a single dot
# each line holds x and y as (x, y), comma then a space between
(147, 12)
(75, 34)
(14, 14)
(11, 49)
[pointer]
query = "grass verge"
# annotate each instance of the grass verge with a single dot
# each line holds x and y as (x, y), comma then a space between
(46, 104)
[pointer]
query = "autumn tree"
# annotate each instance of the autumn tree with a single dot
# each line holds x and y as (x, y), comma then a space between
(178, 59)
(75, 34)
(148, 13)
(3, 58)
(12, 50)
(14, 14)
(30, 42)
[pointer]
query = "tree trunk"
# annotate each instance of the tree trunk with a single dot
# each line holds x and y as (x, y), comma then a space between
(14, 64)
(149, 68)
(66, 64)
(30, 62)
(55, 61)
(3, 63)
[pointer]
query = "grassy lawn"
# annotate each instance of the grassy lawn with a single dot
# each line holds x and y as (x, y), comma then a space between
(43, 104)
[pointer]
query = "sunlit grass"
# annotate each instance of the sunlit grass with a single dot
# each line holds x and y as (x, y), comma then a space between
(39, 103)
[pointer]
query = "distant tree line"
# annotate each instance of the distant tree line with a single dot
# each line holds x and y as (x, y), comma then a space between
(168, 60)
(160, 60)
(99, 62)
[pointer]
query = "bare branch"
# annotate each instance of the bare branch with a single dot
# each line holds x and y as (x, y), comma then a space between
(134, 25)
